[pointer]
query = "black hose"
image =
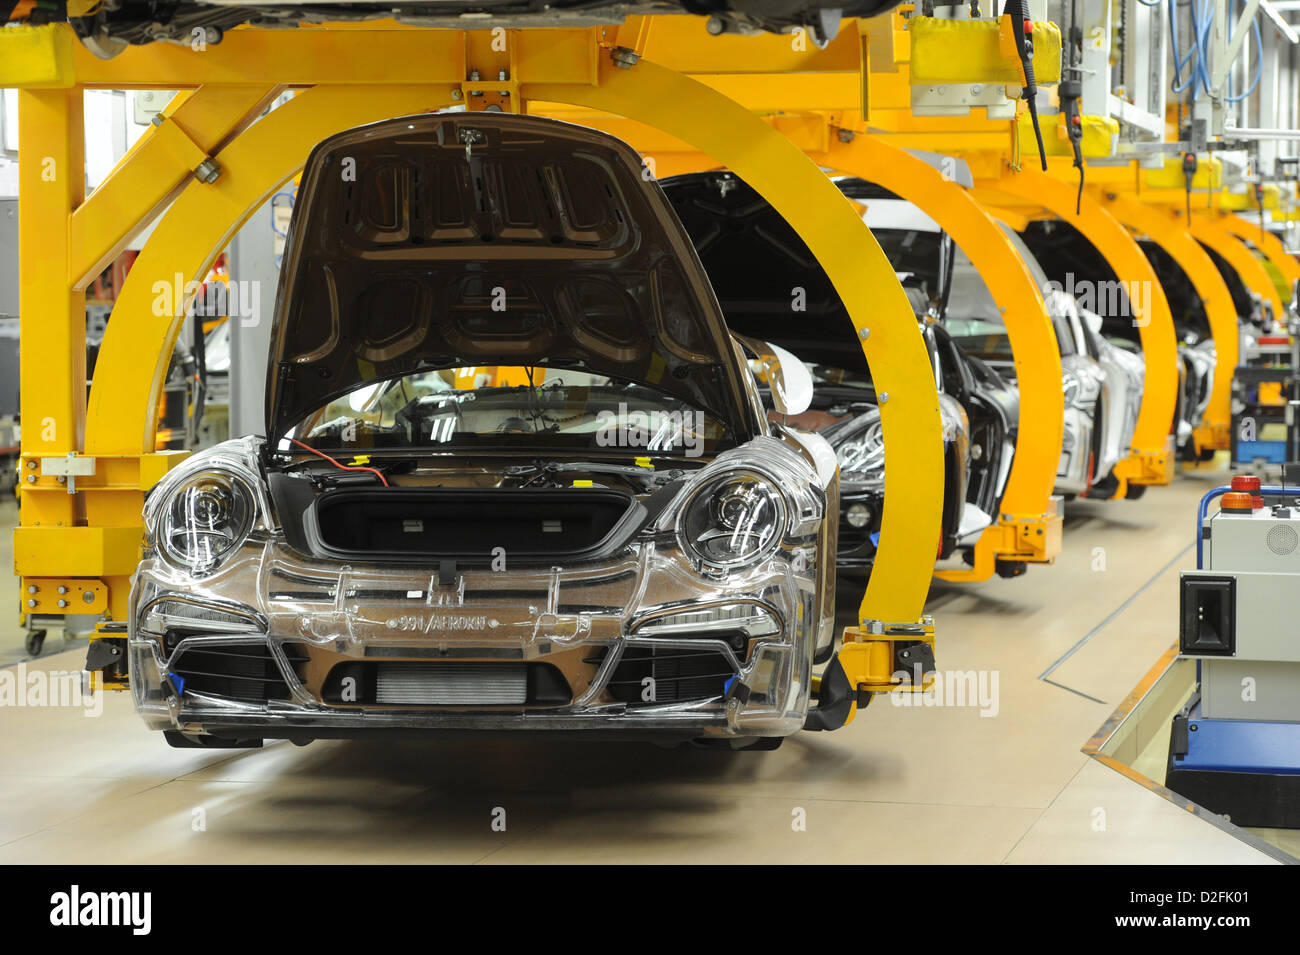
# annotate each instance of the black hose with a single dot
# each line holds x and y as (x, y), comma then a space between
(1019, 11)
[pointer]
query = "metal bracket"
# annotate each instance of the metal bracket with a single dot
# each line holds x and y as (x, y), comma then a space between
(1145, 467)
(871, 655)
(68, 468)
(206, 169)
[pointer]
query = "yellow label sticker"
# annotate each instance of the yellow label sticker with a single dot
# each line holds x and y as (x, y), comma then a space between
(582, 484)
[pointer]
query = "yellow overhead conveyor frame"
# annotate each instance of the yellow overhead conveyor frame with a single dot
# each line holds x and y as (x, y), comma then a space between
(1164, 227)
(346, 77)
(1150, 460)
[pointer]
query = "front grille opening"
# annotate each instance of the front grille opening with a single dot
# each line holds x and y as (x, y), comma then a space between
(239, 671)
(445, 683)
(647, 676)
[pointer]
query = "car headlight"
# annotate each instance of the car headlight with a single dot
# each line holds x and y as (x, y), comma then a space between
(207, 516)
(735, 518)
(860, 451)
(1070, 383)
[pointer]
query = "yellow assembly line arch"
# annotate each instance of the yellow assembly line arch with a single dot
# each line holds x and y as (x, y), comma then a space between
(1150, 460)
(1163, 226)
(1028, 527)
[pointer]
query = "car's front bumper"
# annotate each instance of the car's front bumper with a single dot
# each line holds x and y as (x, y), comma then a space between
(275, 625)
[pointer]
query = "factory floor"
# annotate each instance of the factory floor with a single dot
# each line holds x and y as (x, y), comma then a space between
(1001, 782)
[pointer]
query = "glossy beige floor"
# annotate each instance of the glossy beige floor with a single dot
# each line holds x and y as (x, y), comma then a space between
(901, 784)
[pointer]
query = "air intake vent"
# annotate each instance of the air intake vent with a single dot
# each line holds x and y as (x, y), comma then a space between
(237, 671)
(646, 676)
(452, 684)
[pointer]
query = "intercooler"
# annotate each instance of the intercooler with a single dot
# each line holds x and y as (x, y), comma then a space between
(452, 684)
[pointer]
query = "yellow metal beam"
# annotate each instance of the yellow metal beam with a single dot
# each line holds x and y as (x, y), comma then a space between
(194, 126)
(1024, 528)
(764, 71)
(1150, 461)
(1164, 228)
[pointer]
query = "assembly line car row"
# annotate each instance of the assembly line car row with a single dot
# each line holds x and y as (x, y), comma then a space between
(550, 445)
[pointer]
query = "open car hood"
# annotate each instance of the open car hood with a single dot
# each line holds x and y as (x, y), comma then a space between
(475, 239)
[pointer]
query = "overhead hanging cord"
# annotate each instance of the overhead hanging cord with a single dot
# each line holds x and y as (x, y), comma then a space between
(1021, 28)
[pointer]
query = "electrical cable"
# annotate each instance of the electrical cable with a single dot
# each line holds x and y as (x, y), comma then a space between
(1020, 28)
(346, 467)
(1070, 94)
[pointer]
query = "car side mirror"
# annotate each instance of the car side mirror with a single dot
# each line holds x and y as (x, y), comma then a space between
(788, 378)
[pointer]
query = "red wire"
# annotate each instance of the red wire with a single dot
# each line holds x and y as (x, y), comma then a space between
(345, 467)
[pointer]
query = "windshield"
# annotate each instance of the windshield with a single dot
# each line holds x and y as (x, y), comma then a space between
(488, 407)
(972, 317)
(975, 321)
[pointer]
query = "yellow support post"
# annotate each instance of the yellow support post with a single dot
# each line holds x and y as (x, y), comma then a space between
(52, 315)
(1163, 227)
(1150, 460)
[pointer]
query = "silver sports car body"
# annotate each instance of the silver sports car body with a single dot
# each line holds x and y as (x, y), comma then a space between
(516, 475)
